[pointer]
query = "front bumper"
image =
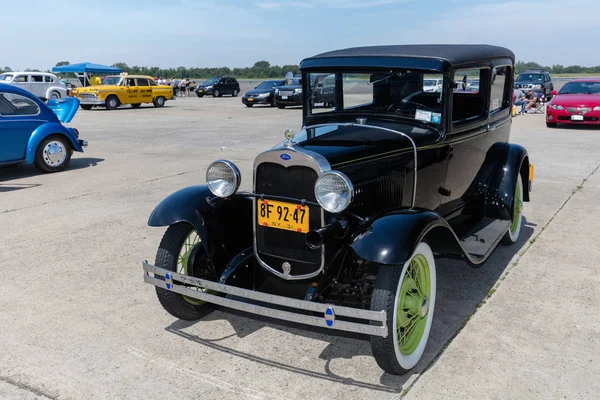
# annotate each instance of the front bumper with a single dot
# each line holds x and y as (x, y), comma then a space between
(256, 100)
(565, 117)
(293, 100)
(91, 102)
(301, 311)
(82, 143)
(204, 91)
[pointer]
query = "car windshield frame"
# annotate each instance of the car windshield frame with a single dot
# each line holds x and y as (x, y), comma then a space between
(528, 77)
(211, 81)
(112, 80)
(377, 76)
(268, 85)
(6, 77)
(580, 88)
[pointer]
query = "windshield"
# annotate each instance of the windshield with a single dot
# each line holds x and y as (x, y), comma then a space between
(530, 77)
(582, 87)
(5, 77)
(401, 93)
(111, 80)
(211, 81)
(268, 84)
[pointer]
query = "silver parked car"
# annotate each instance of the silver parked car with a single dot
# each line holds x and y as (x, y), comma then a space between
(44, 85)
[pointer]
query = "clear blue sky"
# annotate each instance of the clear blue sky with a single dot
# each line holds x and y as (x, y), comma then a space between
(236, 33)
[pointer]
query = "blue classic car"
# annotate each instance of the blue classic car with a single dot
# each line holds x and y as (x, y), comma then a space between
(31, 132)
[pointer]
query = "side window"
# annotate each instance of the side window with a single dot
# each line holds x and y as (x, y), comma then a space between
(48, 79)
(468, 100)
(14, 104)
(142, 82)
(37, 78)
(152, 82)
(501, 92)
(130, 82)
(21, 78)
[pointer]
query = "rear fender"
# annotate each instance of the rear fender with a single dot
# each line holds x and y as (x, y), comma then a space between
(498, 177)
(392, 238)
(45, 130)
(224, 225)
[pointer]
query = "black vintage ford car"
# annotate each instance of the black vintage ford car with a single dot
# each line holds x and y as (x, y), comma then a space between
(346, 217)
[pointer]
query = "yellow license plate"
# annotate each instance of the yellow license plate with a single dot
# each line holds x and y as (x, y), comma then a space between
(250, 100)
(199, 91)
(280, 215)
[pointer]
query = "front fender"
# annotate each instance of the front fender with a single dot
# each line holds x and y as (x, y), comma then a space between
(391, 238)
(224, 225)
(45, 130)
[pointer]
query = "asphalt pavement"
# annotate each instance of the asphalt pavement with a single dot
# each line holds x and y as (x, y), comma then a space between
(79, 323)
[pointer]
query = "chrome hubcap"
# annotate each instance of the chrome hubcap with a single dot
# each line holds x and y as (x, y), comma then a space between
(112, 102)
(54, 153)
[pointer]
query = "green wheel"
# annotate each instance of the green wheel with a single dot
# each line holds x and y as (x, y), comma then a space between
(178, 243)
(514, 231)
(407, 294)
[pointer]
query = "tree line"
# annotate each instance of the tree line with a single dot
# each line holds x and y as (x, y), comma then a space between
(264, 69)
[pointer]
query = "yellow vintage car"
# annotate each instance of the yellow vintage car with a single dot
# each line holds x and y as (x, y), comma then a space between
(117, 90)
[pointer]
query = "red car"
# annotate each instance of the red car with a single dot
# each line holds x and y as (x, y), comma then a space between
(577, 102)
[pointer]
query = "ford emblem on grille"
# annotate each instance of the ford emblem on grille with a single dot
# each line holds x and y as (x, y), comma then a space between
(285, 156)
(329, 316)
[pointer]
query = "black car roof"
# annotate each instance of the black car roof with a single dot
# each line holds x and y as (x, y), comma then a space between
(453, 54)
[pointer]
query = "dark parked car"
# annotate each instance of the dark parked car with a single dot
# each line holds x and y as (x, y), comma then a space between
(217, 87)
(347, 217)
(537, 80)
(324, 91)
(262, 94)
(289, 95)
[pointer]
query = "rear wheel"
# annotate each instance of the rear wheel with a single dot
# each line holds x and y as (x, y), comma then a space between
(551, 124)
(53, 154)
(136, 105)
(176, 246)
(514, 231)
(407, 294)
(235, 92)
(112, 102)
(54, 95)
(280, 106)
(159, 101)
(86, 106)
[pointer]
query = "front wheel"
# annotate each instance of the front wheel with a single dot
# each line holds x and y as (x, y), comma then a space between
(174, 251)
(112, 102)
(514, 231)
(216, 93)
(199, 95)
(54, 95)
(407, 294)
(53, 154)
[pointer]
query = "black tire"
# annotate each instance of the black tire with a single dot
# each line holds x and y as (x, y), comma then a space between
(249, 105)
(235, 92)
(217, 93)
(166, 257)
(136, 105)
(199, 95)
(86, 107)
(386, 351)
(54, 94)
(44, 159)
(281, 106)
(159, 101)
(112, 102)
(551, 124)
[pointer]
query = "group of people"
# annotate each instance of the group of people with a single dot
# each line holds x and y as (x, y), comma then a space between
(526, 100)
(181, 88)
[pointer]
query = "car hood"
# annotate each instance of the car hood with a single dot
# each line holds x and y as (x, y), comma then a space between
(575, 100)
(64, 108)
(256, 92)
(93, 89)
(346, 144)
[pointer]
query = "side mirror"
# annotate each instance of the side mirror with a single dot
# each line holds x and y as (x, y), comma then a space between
(554, 93)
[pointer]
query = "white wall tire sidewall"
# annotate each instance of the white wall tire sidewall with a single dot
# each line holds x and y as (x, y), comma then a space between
(514, 237)
(409, 361)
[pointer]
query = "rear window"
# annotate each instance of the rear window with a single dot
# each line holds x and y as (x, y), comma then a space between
(48, 79)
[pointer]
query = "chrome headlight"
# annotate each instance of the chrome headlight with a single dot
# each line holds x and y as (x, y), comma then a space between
(264, 95)
(556, 107)
(297, 91)
(334, 191)
(223, 178)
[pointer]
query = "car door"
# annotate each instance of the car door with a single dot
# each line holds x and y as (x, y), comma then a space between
(132, 91)
(38, 87)
(22, 81)
(144, 90)
(19, 117)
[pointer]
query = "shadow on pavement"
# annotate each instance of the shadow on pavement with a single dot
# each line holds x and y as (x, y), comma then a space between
(461, 289)
(27, 170)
